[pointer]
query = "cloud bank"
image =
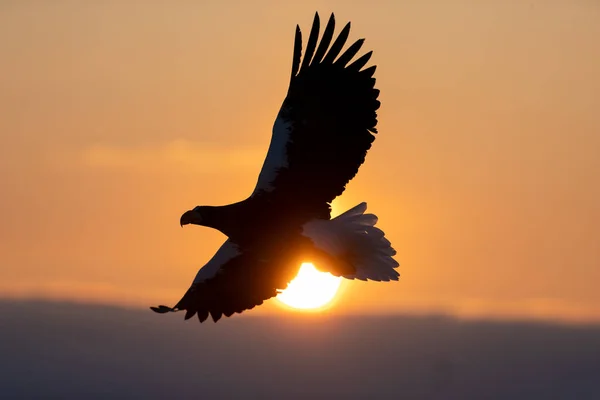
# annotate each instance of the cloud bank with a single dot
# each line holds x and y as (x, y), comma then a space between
(58, 350)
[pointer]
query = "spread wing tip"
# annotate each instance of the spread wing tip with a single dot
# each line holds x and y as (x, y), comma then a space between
(323, 53)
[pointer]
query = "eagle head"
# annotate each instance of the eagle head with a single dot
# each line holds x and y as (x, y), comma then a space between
(194, 216)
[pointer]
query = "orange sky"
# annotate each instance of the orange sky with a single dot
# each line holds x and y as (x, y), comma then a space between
(115, 117)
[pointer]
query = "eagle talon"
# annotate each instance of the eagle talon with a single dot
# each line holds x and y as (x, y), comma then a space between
(161, 309)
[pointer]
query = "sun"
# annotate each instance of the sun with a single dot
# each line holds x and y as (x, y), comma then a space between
(310, 289)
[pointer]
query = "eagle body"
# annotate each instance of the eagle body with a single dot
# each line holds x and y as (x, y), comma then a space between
(320, 138)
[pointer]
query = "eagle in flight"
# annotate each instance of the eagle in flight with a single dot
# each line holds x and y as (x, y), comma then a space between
(321, 136)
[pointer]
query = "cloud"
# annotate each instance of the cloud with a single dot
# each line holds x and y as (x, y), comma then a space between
(174, 155)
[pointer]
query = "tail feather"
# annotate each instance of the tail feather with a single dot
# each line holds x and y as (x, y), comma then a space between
(353, 236)
(353, 212)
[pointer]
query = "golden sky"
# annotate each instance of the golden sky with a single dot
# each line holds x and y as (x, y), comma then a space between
(117, 116)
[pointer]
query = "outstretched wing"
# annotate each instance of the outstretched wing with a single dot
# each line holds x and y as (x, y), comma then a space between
(232, 282)
(325, 125)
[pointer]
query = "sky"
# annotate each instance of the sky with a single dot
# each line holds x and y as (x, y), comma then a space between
(116, 117)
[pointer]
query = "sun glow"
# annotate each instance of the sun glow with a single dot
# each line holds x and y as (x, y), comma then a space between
(310, 289)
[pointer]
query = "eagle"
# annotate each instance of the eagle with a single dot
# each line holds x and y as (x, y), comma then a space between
(320, 138)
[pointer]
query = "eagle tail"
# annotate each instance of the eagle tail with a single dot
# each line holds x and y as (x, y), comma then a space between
(353, 238)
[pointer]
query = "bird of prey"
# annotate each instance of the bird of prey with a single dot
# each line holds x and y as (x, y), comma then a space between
(320, 138)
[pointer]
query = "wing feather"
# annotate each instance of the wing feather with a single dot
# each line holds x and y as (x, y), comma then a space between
(361, 62)
(312, 42)
(350, 53)
(325, 41)
(337, 46)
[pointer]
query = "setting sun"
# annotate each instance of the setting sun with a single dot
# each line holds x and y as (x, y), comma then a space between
(310, 289)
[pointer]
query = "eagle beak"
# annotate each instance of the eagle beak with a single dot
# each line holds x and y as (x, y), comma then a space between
(190, 217)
